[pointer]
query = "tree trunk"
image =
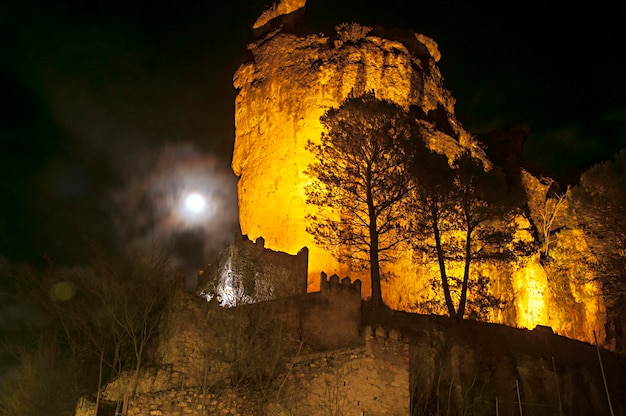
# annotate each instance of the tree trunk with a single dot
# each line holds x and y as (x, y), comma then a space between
(468, 259)
(138, 356)
(100, 375)
(377, 296)
(442, 267)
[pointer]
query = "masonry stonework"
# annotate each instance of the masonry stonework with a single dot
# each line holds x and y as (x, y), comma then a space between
(249, 272)
(324, 352)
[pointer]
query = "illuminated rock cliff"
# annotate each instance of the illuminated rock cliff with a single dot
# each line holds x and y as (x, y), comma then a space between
(290, 82)
(291, 79)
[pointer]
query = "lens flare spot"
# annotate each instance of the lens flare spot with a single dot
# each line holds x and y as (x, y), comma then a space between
(62, 291)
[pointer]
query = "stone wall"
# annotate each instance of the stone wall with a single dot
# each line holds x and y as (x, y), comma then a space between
(371, 379)
(310, 348)
(189, 401)
(197, 335)
(473, 367)
(320, 353)
(176, 401)
(324, 320)
(248, 272)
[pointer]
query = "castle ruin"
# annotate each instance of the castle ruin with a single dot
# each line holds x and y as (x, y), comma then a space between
(292, 78)
(296, 342)
(321, 353)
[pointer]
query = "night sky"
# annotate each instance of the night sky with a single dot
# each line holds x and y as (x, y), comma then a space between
(111, 109)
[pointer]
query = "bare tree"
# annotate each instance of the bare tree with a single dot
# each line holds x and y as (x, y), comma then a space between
(132, 297)
(360, 184)
(547, 207)
(101, 317)
(551, 210)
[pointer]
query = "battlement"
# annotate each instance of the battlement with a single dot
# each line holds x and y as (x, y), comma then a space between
(259, 244)
(379, 333)
(249, 272)
(345, 285)
(388, 344)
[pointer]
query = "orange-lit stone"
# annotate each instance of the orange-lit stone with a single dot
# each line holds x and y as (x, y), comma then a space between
(531, 295)
(282, 93)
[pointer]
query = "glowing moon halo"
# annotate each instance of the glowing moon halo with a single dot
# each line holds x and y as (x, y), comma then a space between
(195, 203)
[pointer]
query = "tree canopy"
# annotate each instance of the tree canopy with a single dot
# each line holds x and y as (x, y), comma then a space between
(460, 214)
(599, 201)
(377, 186)
(360, 183)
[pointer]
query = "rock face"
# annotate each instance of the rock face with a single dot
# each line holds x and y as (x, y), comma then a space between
(278, 9)
(292, 79)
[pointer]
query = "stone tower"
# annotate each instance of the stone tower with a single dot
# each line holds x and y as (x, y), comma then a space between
(289, 83)
(291, 79)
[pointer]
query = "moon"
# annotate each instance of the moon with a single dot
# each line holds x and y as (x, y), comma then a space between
(195, 203)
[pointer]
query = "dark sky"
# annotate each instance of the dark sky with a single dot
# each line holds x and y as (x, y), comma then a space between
(110, 108)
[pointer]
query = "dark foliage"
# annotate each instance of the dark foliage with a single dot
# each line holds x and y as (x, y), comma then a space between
(462, 213)
(360, 183)
(599, 202)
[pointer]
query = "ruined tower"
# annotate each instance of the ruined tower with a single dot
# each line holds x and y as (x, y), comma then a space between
(288, 84)
(290, 79)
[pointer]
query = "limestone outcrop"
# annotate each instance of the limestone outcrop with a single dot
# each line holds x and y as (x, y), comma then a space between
(278, 9)
(288, 83)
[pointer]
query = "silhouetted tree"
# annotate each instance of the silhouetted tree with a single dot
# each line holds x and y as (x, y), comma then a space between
(131, 298)
(462, 214)
(433, 205)
(599, 202)
(360, 183)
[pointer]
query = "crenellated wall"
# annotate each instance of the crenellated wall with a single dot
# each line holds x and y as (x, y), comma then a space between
(312, 353)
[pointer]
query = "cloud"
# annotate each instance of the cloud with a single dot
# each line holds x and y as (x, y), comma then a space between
(149, 209)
